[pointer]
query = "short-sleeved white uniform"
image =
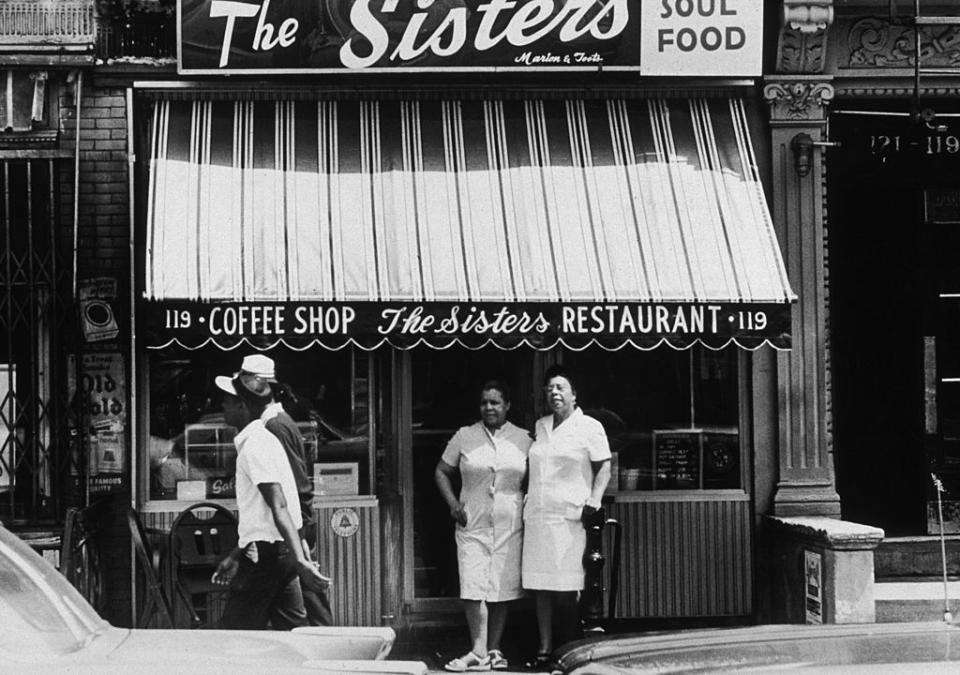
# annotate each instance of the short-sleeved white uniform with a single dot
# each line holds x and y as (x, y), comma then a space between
(261, 459)
(561, 479)
(492, 467)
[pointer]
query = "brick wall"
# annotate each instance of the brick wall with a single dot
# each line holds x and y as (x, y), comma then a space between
(103, 236)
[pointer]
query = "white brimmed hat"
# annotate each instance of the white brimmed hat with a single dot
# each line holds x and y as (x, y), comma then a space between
(260, 365)
(247, 386)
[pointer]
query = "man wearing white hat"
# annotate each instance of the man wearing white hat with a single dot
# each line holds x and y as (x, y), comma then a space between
(263, 570)
(280, 424)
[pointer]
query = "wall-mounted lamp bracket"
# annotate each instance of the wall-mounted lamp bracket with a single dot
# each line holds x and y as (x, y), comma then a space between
(802, 145)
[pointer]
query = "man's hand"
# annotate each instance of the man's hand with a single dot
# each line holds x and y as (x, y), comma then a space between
(226, 571)
(459, 514)
(310, 577)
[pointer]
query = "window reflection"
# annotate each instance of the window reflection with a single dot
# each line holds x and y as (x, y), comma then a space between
(191, 451)
(671, 417)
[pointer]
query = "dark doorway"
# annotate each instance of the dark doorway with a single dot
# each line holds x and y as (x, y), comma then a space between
(884, 280)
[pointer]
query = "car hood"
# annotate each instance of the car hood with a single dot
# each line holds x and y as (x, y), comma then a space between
(873, 648)
(223, 651)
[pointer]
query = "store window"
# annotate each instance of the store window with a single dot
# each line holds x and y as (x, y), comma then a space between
(672, 417)
(191, 450)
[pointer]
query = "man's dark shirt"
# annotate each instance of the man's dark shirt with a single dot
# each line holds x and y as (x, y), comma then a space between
(285, 429)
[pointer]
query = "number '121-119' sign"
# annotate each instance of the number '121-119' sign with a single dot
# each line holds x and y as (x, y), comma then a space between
(655, 37)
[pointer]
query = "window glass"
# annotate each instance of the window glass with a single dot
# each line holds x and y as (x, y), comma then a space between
(191, 448)
(672, 417)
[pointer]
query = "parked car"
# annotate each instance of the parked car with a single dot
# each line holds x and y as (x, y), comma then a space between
(850, 648)
(46, 626)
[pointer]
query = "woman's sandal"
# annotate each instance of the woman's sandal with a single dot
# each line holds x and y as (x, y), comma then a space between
(539, 664)
(468, 661)
(497, 660)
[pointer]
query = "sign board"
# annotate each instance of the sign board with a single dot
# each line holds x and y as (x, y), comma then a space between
(813, 586)
(677, 459)
(701, 37)
(941, 206)
(336, 478)
(96, 297)
(656, 37)
(103, 387)
(345, 522)
(370, 324)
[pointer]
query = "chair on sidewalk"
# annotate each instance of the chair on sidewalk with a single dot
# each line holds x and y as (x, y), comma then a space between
(156, 597)
(200, 537)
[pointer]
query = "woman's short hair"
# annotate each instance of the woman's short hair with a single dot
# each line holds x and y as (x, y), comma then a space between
(558, 370)
(500, 386)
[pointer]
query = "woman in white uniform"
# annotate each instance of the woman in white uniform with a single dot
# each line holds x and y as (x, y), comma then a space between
(491, 457)
(569, 470)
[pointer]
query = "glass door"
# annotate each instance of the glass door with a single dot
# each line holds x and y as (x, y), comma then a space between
(445, 396)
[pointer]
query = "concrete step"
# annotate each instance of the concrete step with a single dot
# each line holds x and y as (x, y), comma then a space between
(915, 600)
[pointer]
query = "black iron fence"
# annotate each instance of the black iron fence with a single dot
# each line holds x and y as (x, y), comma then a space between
(147, 35)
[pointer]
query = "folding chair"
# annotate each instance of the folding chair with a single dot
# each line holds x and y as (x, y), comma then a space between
(201, 536)
(156, 600)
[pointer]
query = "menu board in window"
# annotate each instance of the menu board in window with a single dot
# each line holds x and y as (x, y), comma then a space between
(677, 459)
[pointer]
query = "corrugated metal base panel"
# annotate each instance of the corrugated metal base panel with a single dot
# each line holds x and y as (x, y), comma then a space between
(353, 561)
(683, 558)
(352, 558)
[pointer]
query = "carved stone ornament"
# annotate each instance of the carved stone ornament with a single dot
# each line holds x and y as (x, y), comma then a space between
(798, 100)
(874, 42)
(802, 43)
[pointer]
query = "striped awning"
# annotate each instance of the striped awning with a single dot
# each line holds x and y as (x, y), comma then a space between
(611, 221)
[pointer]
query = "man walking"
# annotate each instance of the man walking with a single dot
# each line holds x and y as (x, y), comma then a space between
(263, 570)
(278, 422)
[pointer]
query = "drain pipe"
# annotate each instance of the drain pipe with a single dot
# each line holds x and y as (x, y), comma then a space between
(76, 182)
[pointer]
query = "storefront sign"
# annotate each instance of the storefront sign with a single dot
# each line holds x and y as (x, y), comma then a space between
(440, 324)
(679, 37)
(701, 37)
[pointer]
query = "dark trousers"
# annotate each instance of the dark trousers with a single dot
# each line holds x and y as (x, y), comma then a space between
(267, 589)
(317, 604)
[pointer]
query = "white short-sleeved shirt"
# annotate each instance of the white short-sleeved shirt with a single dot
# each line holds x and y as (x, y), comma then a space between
(261, 459)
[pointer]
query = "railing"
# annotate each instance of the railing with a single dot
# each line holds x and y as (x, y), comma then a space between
(47, 25)
(148, 35)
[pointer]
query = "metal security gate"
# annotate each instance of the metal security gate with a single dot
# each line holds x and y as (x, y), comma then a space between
(40, 469)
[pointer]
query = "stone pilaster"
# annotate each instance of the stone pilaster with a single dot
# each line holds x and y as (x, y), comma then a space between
(798, 97)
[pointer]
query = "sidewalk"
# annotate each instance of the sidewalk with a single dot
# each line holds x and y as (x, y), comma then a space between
(440, 640)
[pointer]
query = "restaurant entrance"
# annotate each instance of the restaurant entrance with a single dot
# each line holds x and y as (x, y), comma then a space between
(446, 387)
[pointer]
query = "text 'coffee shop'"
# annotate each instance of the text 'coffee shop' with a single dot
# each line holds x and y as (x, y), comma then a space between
(397, 202)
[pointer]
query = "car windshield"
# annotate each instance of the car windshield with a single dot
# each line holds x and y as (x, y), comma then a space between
(40, 612)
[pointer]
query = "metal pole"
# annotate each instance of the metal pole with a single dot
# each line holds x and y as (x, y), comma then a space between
(947, 617)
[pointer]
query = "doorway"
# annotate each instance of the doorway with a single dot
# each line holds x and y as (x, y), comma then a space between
(445, 394)
(892, 344)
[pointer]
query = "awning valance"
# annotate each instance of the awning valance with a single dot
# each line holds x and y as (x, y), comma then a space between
(576, 213)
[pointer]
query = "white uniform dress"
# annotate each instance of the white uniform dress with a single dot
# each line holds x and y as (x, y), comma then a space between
(561, 479)
(490, 546)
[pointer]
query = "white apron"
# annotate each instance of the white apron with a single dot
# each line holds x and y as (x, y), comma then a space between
(489, 548)
(561, 478)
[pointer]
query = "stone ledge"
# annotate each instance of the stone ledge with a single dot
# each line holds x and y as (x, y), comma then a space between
(829, 533)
